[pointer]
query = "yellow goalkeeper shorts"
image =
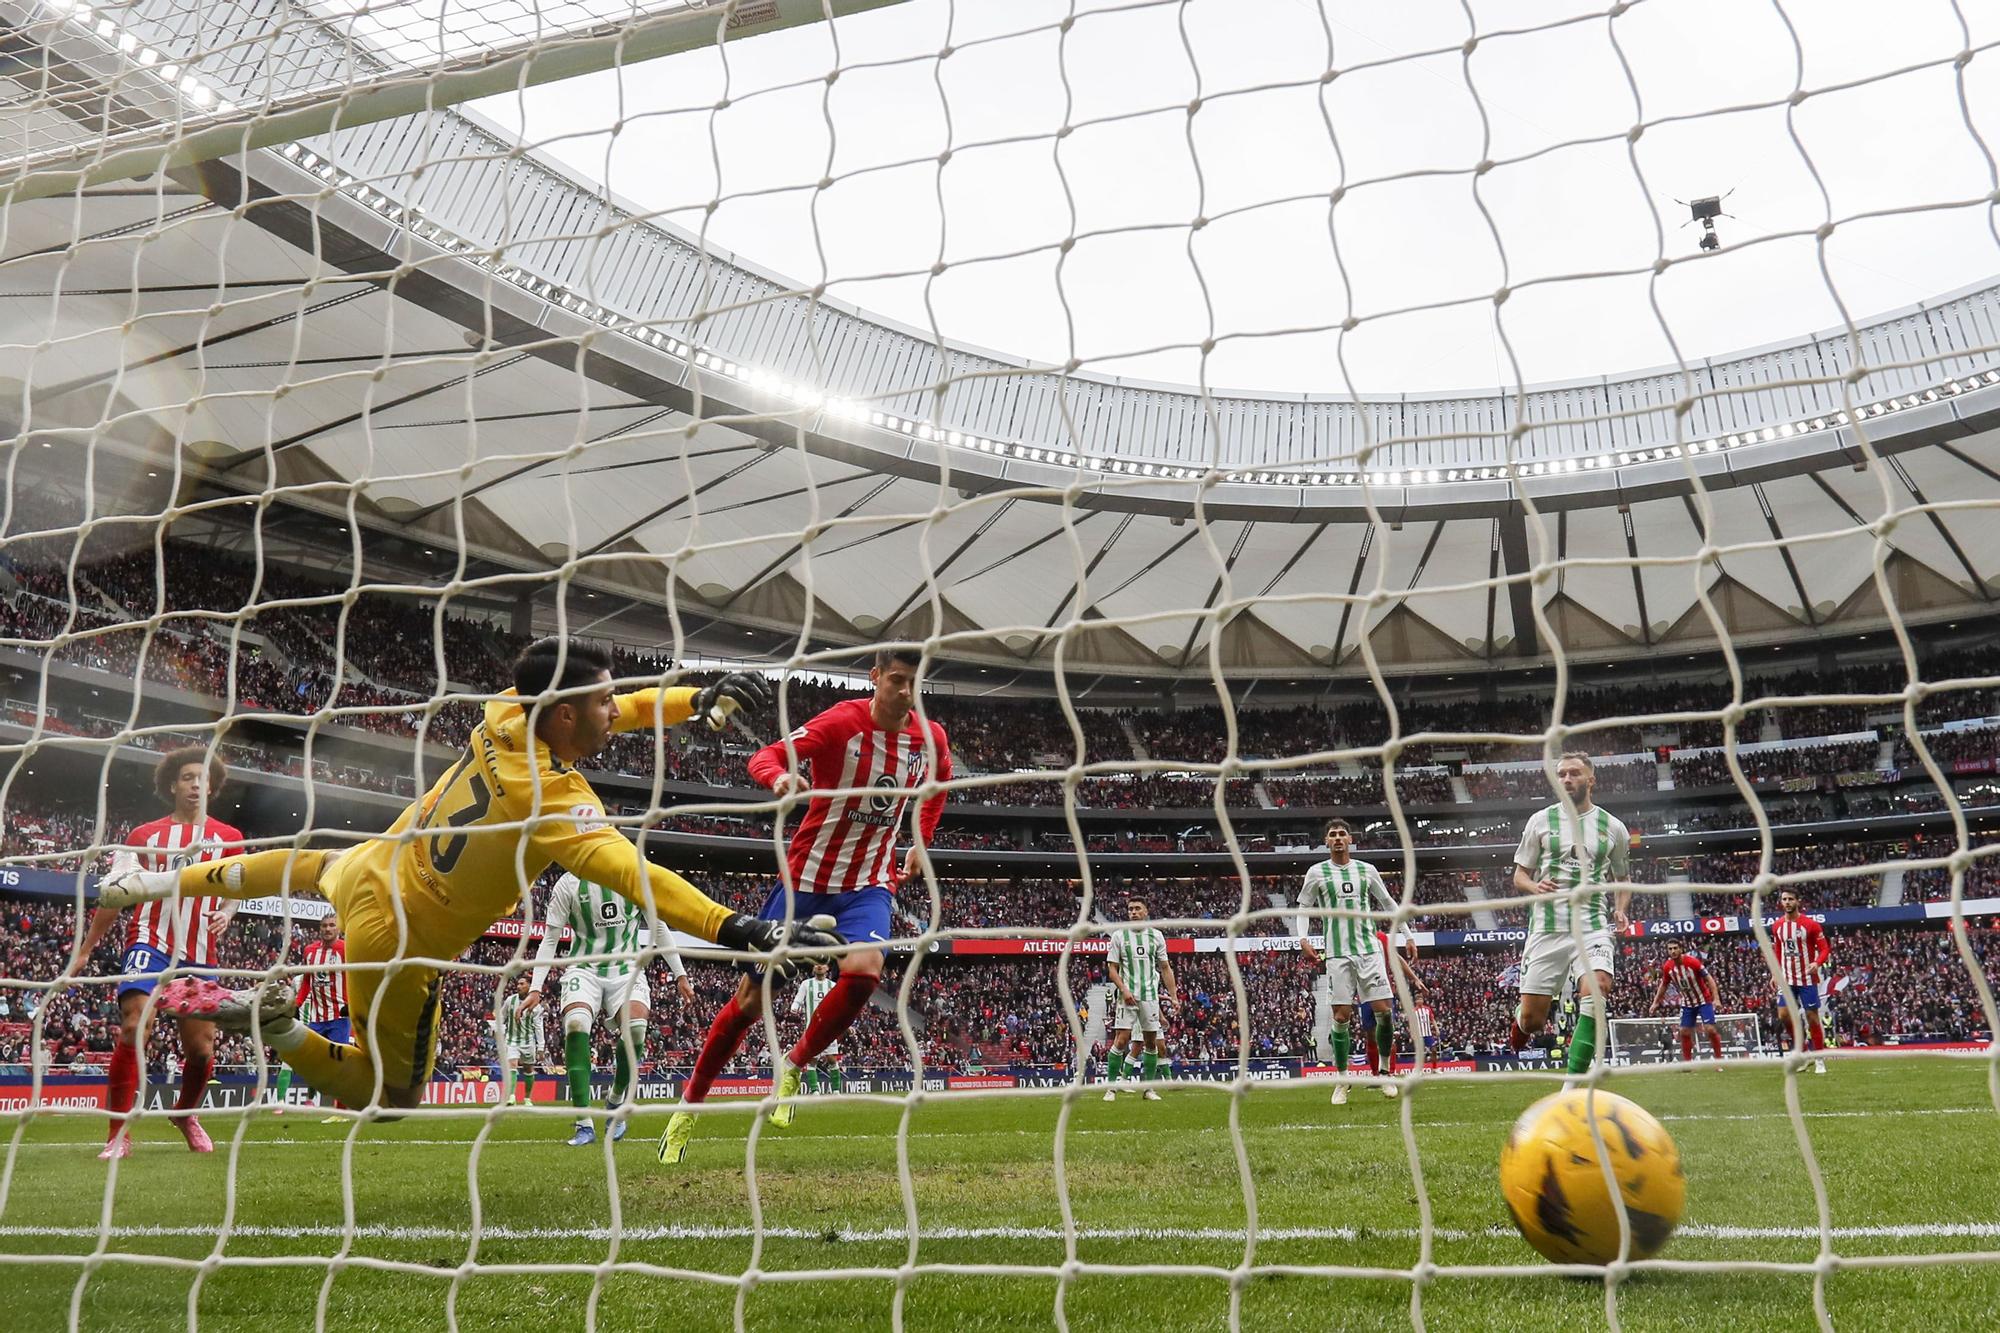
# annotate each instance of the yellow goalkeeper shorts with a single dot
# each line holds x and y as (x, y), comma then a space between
(394, 1006)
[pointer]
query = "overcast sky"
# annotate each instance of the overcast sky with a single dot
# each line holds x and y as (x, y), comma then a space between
(1266, 165)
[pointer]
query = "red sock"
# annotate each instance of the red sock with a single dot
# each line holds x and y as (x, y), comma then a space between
(1687, 1043)
(1818, 1033)
(1374, 1056)
(836, 1013)
(1516, 1039)
(1715, 1040)
(124, 1086)
(725, 1034)
(194, 1080)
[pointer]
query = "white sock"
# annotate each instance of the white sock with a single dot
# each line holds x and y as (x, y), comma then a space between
(282, 1035)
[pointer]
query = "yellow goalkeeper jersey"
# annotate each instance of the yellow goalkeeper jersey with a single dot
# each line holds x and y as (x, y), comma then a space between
(461, 857)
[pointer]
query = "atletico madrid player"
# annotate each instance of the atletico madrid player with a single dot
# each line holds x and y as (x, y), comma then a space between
(841, 862)
(1694, 985)
(1802, 950)
(321, 997)
(177, 934)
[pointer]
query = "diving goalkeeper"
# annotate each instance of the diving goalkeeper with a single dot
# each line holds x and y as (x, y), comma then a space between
(455, 862)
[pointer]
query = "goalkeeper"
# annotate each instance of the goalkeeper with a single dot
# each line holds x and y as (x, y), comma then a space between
(455, 862)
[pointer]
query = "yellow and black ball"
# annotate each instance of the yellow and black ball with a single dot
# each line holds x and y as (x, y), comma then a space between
(1554, 1182)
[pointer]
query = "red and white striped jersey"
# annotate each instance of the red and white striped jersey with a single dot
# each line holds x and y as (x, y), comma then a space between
(322, 996)
(846, 843)
(179, 928)
(1802, 949)
(1688, 978)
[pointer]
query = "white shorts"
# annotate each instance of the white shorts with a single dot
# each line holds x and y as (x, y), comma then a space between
(1362, 978)
(1549, 957)
(1141, 1017)
(605, 997)
(524, 1058)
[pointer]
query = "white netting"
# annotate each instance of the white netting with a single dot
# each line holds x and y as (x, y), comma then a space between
(326, 398)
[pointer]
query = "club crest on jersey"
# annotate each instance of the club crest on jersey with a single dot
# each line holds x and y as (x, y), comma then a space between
(588, 819)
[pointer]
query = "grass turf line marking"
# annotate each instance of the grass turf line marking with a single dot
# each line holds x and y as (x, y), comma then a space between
(1233, 1235)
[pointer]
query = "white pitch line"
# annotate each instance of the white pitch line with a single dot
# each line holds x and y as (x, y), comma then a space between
(883, 1235)
(339, 1138)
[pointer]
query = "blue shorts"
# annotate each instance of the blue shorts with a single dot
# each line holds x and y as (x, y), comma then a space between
(1806, 997)
(1697, 1013)
(145, 964)
(340, 1031)
(861, 916)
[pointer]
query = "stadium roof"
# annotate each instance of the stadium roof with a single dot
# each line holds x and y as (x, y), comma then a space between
(417, 326)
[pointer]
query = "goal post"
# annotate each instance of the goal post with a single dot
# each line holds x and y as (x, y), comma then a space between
(1647, 1040)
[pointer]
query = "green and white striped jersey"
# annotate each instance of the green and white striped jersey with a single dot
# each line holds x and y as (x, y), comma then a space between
(1354, 887)
(806, 999)
(599, 922)
(520, 1030)
(1575, 852)
(1139, 952)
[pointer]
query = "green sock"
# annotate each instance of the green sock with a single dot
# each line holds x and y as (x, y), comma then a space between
(527, 1081)
(839, 1079)
(1343, 1047)
(812, 1079)
(1149, 1064)
(284, 1084)
(1385, 1042)
(576, 1052)
(1582, 1044)
(1114, 1065)
(629, 1045)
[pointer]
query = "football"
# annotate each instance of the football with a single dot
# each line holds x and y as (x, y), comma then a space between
(1554, 1182)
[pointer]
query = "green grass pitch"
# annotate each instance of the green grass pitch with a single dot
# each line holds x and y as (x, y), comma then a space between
(1910, 1147)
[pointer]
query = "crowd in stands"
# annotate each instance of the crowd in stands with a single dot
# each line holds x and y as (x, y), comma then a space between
(1711, 769)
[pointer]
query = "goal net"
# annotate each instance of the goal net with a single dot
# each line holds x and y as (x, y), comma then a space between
(1644, 413)
(1651, 1040)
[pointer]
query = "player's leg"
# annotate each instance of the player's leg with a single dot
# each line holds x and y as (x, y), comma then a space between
(580, 1000)
(122, 1079)
(527, 1081)
(1372, 980)
(1545, 967)
(251, 875)
(631, 1045)
(1714, 1035)
(725, 1036)
(1595, 994)
(1687, 1034)
(197, 1067)
(1114, 1055)
(1808, 1000)
(1341, 1037)
(861, 917)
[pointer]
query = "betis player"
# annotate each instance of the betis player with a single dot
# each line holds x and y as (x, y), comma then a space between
(1139, 970)
(518, 1033)
(455, 862)
(607, 978)
(1568, 854)
(1343, 893)
(321, 998)
(805, 1002)
(164, 936)
(840, 863)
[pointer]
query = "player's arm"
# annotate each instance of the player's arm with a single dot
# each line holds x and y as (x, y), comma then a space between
(1659, 993)
(1308, 899)
(1621, 873)
(1822, 947)
(94, 931)
(1402, 964)
(675, 704)
(219, 919)
(1170, 986)
(561, 906)
(772, 766)
(1526, 857)
(930, 812)
(1117, 979)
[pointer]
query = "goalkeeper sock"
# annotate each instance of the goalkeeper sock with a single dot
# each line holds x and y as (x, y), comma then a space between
(1582, 1044)
(576, 1054)
(725, 1034)
(1114, 1065)
(1149, 1064)
(1343, 1048)
(1385, 1044)
(284, 1084)
(123, 1078)
(835, 1014)
(254, 875)
(812, 1080)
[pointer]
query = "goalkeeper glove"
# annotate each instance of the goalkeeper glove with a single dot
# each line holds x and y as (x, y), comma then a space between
(715, 703)
(749, 934)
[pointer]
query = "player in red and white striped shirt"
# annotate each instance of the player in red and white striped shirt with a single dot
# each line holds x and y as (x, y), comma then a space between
(322, 996)
(841, 862)
(1694, 985)
(1802, 950)
(175, 933)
